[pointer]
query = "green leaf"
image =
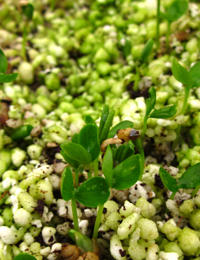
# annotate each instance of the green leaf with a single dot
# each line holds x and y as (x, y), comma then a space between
(4, 78)
(3, 62)
(22, 132)
(82, 241)
(195, 74)
(121, 125)
(146, 51)
(71, 162)
(28, 10)
(126, 173)
(88, 138)
(104, 116)
(164, 112)
(75, 138)
(107, 125)
(181, 74)
(67, 187)
(190, 178)
(127, 150)
(107, 165)
(150, 102)
(24, 256)
(168, 181)
(89, 120)
(176, 10)
(77, 153)
(93, 192)
(126, 46)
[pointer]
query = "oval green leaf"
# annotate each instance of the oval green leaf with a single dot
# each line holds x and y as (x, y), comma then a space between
(93, 192)
(176, 10)
(3, 62)
(195, 74)
(71, 162)
(121, 125)
(150, 102)
(126, 173)
(168, 181)
(28, 10)
(24, 256)
(107, 166)
(67, 187)
(190, 178)
(146, 51)
(8, 77)
(89, 120)
(88, 138)
(77, 153)
(22, 132)
(164, 112)
(181, 74)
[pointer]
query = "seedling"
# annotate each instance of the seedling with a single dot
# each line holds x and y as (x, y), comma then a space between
(4, 78)
(27, 11)
(173, 13)
(190, 79)
(92, 193)
(151, 112)
(24, 256)
(189, 180)
(142, 59)
(158, 24)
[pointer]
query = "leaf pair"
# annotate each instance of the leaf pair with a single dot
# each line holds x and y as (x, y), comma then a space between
(125, 174)
(164, 112)
(189, 78)
(175, 10)
(4, 78)
(91, 193)
(189, 180)
(105, 123)
(84, 147)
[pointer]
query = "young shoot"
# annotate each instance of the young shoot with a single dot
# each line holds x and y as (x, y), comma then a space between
(190, 79)
(4, 78)
(93, 192)
(151, 112)
(83, 150)
(27, 12)
(158, 24)
(173, 13)
(189, 180)
(142, 59)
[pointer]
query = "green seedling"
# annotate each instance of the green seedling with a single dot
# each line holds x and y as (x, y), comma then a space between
(189, 180)
(4, 78)
(27, 11)
(125, 45)
(190, 79)
(173, 13)
(24, 256)
(83, 150)
(142, 59)
(92, 193)
(158, 24)
(151, 112)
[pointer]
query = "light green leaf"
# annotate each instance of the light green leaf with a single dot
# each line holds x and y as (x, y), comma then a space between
(93, 192)
(67, 187)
